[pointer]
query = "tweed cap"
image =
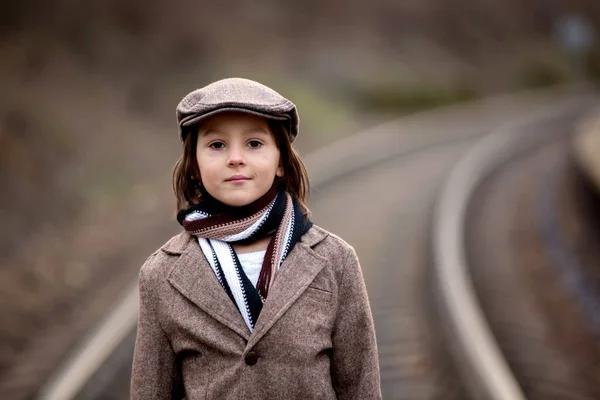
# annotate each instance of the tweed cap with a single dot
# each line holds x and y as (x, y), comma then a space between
(235, 94)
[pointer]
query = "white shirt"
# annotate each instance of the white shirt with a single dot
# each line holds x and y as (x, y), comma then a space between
(252, 264)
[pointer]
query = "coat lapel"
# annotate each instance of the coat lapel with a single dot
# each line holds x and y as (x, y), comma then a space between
(297, 271)
(193, 277)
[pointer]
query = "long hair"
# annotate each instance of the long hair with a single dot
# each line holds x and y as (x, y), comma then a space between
(186, 174)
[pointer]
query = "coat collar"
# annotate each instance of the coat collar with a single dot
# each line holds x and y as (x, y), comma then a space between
(193, 277)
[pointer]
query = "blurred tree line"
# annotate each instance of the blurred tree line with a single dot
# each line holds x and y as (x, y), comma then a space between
(123, 35)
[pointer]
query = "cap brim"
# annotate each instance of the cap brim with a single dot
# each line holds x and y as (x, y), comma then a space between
(193, 120)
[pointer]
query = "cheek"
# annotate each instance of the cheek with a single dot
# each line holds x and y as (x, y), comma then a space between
(205, 161)
(207, 171)
(272, 164)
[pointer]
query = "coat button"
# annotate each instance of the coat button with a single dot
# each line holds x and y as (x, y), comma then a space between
(251, 358)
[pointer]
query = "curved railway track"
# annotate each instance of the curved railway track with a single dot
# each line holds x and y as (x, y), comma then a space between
(392, 174)
(514, 246)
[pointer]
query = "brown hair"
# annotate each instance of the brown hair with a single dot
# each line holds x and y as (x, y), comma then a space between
(186, 174)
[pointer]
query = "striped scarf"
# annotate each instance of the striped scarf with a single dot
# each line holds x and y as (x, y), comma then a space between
(218, 226)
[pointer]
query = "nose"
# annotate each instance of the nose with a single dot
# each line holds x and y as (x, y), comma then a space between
(236, 157)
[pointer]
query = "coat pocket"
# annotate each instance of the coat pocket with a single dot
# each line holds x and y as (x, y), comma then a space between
(318, 294)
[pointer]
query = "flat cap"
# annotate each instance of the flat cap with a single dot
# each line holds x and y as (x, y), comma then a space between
(235, 94)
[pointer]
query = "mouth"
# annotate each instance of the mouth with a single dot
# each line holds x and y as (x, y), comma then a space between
(237, 178)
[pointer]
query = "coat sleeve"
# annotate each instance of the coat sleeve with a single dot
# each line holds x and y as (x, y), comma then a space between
(355, 364)
(154, 372)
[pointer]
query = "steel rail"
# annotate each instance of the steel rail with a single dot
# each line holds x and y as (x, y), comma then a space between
(484, 366)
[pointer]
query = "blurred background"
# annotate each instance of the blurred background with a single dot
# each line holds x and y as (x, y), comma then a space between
(87, 118)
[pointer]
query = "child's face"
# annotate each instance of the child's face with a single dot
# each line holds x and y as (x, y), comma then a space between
(238, 157)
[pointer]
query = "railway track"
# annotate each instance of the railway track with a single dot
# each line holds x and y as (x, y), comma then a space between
(529, 283)
(395, 185)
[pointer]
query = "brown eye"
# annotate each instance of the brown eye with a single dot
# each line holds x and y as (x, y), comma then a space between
(254, 144)
(217, 145)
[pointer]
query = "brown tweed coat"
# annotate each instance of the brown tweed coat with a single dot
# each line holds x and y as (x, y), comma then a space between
(314, 338)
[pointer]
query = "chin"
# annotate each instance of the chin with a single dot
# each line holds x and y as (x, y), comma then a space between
(238, 202)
